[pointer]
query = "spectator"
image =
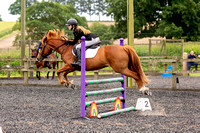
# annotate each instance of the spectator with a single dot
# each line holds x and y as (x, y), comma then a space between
(189, 64)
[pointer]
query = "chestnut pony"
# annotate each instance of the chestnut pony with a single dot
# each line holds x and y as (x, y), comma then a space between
(123, 59)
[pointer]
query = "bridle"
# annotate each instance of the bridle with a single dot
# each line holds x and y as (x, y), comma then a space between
(50, 50)
(43, 48)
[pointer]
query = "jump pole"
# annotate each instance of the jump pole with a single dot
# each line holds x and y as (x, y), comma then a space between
(83, 76)
(102, 115)
(123, 83)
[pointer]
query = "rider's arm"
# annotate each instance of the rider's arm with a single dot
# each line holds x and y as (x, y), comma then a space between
(77, 36)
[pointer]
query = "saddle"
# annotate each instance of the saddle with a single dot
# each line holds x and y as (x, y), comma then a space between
(92, 47)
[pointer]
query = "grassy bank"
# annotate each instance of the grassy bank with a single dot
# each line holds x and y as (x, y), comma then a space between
(6, 28)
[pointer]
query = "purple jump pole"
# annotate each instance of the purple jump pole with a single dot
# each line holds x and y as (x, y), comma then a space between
(123, 83)
(115, 112)
(83, 76)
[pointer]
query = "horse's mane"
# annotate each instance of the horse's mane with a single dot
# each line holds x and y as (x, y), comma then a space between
(52, 34)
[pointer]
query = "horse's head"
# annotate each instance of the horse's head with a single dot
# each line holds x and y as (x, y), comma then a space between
(44, 50)
(48, 44)
(34, 53)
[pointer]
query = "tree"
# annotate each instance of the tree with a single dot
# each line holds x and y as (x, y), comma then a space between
(45, 16)
(181, 18)
(15, 8)
(86, 6)
(102, 31)
(158, 18)
(100, 7)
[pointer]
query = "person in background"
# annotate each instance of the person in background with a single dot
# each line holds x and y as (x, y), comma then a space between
(189, 63)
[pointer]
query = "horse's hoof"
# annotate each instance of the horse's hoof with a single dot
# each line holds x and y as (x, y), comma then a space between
(149, 93)
(145, 91)
(67, 84)
(73, 86)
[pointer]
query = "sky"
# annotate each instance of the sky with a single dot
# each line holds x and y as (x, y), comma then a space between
(5, 4)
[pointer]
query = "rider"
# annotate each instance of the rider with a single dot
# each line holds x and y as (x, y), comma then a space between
(79, 31)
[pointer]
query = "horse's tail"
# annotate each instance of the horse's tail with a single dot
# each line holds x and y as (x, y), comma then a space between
(135, 64)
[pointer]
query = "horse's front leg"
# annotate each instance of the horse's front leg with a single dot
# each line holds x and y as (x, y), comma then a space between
(65, 68)
(69, 83)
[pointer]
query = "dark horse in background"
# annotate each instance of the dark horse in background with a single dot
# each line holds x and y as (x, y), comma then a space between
(44, 64)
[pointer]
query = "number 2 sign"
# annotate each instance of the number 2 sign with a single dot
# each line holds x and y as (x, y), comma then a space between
(143, 104)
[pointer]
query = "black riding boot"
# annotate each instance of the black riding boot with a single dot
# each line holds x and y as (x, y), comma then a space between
(78, 63)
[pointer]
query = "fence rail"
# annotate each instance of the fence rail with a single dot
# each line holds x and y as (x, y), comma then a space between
(151, 61)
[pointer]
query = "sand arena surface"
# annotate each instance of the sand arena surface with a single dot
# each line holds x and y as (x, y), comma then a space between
(57, 109)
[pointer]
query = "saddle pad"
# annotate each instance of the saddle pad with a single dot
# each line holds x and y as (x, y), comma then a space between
(90, 53)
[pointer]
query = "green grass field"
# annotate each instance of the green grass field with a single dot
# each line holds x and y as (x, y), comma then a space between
(6, 28)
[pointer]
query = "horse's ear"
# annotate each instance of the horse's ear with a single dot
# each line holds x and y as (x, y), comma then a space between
(58, 32)
(50, 33)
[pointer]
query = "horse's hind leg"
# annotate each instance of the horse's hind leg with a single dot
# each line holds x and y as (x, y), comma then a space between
(134, 75)
(48, 75)
(38, 74)
(53, 74)
(54, 67)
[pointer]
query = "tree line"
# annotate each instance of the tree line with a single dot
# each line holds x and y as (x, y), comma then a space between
(91, 7)
(165, 18)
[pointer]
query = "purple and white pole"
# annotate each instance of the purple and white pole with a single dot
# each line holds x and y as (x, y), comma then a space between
(83, 76)
(123, 83)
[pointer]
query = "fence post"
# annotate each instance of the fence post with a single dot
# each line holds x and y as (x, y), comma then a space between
(150, 61)
(31, 66)
(165, 52)
(182, 41)
(174, 66)
(185, 56)
(149, 47)
(31, 62)
(9, 66)
(26, 71)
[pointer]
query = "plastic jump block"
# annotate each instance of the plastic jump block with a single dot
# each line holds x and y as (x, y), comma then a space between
(92, 93)
(103, 81)
(102, 115)
(108, 100)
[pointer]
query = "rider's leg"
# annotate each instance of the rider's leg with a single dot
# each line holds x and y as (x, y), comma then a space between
(78, 63)
(78, 50)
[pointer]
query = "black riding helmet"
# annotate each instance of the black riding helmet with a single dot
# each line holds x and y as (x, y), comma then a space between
(72, 22)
